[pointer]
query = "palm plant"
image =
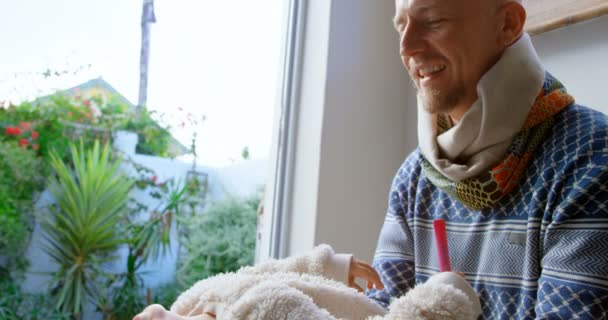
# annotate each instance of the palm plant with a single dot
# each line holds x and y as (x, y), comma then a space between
(91, 196)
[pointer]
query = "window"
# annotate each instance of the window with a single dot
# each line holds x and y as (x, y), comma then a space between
(185, 92)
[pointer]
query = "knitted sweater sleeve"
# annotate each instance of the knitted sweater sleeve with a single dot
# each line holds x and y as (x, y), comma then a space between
(573, 283)
(394, 257)
(321, 261)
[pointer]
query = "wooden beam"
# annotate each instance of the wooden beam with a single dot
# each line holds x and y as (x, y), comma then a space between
(547, 15)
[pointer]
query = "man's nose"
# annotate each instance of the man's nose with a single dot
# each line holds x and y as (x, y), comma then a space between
(412, 41)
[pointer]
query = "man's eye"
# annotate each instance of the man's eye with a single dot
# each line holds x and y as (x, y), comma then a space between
(435, 22)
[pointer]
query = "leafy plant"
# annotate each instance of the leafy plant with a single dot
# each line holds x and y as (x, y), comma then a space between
(146, 239)
(91, 197)
(153, 138)
(53, 122)
(79, 240)
(61, 118)
(20, 181)
(166, 294)
(221, 239)
(125, 297)
(16, 305)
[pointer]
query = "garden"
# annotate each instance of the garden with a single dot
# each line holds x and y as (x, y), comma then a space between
(63, 146)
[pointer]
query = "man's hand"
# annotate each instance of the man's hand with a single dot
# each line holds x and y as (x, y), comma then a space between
(360, 269)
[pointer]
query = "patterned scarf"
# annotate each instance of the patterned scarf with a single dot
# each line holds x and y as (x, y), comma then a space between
(484, 190)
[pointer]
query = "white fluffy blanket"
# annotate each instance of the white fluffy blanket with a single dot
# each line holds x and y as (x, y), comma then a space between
(297, 288)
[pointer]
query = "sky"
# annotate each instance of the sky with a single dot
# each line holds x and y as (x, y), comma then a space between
(214, 58)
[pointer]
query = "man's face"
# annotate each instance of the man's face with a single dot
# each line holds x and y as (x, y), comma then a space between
(446, 46)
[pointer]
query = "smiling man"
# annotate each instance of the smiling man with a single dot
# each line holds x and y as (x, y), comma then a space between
(515, 167)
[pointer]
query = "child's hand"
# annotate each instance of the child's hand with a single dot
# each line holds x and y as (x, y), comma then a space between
(158, 312)
(360, 269)
(153, 312)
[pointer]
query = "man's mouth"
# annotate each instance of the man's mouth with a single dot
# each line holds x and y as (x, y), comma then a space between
(427, 72)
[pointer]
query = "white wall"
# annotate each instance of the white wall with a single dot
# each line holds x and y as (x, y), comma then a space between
(578, 56)
(369, 125)
(367, 129)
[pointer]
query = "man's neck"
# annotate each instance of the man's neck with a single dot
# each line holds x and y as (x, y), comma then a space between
(458, 112)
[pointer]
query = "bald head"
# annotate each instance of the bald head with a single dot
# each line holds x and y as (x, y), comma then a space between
(501, 2)
(447, 46)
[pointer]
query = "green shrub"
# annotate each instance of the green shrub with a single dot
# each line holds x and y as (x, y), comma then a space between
(16, 305)
(20, 181)
(152, 138)
(126, 299)
(166, 294)
(146, 239)
(60, 119)
(221, 239)
(57, 120)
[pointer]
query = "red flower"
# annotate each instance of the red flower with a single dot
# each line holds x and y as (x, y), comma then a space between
(87, 103)
(34, 135)
(24, 142)
(12, 131)
(154, 178)
(25, 126)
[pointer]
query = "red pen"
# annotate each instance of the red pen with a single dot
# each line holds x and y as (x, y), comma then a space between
(441, 241)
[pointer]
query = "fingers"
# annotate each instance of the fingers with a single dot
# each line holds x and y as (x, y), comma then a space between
(208, 316)
(158, 312)
(371, 276)
(360, 269)
(152, 312)
(353, 284)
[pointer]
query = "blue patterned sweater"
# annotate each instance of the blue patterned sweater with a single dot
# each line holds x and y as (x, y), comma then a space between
(540, 253)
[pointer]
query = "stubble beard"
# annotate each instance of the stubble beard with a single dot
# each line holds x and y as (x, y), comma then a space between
(440, 101)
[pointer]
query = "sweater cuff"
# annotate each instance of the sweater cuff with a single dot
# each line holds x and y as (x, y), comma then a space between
(338, 266)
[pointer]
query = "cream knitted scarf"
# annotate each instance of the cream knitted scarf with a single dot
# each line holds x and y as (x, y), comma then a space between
(482, 157)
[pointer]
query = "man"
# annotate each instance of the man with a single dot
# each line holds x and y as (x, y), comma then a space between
(515, 167)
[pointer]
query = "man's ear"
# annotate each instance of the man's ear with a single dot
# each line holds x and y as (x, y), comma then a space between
(513, 19)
